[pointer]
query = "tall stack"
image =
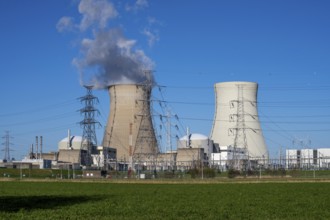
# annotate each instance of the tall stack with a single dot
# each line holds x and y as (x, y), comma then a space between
(236, 122)
(129, 128)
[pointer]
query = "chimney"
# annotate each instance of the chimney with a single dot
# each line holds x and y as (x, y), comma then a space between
(37, 146)
(40, 147)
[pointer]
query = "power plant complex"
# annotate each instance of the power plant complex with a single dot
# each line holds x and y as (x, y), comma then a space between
(131, 142)
(236, 130)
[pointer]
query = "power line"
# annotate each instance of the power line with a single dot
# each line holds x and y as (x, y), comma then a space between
(288, 104)
(52, 106)
(50, 118)
(261, 121)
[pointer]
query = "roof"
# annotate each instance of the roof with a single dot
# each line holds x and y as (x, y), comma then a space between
(195, 136)
(73, 139)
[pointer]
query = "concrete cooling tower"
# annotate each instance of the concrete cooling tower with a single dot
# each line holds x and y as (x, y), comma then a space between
(236, 121)
(129, 128)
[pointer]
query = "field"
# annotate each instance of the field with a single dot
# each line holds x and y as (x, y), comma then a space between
(106, 200)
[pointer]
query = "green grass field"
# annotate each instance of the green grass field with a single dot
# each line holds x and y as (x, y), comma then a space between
(105, 200)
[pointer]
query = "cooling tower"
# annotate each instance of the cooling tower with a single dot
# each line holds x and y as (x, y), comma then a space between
(129, 128)
(236, 121)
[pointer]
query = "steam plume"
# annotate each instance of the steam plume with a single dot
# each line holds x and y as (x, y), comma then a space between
(107, 57)
(111, 59)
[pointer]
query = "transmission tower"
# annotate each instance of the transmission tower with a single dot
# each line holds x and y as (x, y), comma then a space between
(88, 124)
(7, 145)
(240, 141)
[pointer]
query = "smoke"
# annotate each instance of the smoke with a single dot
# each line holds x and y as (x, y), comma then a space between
(107, 57)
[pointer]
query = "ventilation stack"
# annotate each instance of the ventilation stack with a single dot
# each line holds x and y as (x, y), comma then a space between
(129, 128)
(236, 123)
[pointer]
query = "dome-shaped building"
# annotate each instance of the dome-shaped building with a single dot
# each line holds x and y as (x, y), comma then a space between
(193, 151)
(196, 140)
(74, 144)
(72, 150)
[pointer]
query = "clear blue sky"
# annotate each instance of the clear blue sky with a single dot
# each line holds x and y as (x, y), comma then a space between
(282, 45)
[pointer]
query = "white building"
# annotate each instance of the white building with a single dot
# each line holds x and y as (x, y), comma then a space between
(308, 158)
(226, 156)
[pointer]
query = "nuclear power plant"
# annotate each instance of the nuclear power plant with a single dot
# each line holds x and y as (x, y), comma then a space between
(131, 141)
(236, 133)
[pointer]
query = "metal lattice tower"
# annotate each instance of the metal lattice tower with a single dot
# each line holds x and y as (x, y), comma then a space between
(240, 141)
(7, 145)
(88, 124)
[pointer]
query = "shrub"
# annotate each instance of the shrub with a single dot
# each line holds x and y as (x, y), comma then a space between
(193, 173)
(232, 173)
(209, 172)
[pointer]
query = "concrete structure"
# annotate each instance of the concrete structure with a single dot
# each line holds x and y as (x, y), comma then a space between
(196, 141)
(236, 121)
(129, 128)
(70, 156)
(166, 161)
(190, 157)
(50, 156)
(72, 150)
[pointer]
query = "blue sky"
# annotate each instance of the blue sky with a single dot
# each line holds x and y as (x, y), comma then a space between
(282, 45)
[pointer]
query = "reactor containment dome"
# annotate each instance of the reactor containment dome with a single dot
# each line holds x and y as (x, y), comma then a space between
(74, 144)
(196, 140)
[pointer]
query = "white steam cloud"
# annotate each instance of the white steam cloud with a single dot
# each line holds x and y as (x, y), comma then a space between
(138, 5)
(107, 57)
(114, 59)
(151, 36)
(65, 24)
(97, 12)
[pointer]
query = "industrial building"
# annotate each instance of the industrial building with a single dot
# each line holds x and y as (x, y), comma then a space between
(192, 149)
(307, 158)
(72, 151)
(227, 154)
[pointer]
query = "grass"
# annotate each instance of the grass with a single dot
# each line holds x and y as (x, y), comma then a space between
(106, 200)
(56, 173)
(36, 173)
